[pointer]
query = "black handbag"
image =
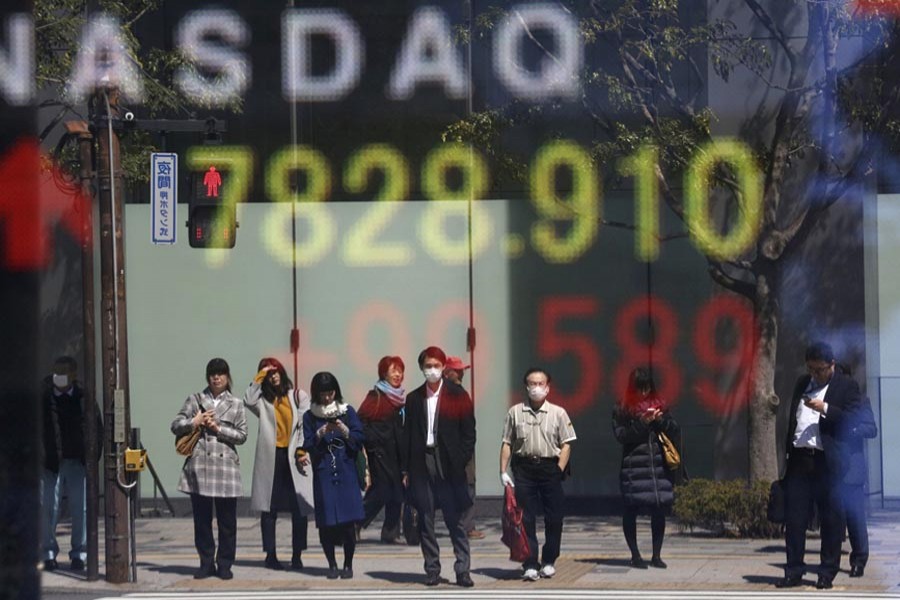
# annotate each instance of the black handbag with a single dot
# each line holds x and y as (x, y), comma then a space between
(775, 507)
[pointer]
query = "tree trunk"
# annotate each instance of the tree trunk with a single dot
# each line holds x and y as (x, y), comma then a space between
(763, 445)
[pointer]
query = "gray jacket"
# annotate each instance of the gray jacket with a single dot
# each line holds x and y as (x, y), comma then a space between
(214, 468)
(264, 462)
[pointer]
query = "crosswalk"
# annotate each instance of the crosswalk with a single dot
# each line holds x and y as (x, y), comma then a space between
(506, 594)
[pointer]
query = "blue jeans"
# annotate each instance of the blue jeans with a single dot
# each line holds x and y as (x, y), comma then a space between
(71, 477)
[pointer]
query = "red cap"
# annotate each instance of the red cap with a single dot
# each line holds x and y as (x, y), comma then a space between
(455, 363)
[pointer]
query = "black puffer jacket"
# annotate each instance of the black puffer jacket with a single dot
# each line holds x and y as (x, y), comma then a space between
(643, 478)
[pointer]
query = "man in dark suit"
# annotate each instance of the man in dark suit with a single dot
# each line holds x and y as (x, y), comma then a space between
(438, 440)
(816, 463)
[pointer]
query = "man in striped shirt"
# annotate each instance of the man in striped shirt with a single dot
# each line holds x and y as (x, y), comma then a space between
(537, 436)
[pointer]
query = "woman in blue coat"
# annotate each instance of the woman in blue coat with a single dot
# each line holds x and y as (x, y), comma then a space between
(332, 436)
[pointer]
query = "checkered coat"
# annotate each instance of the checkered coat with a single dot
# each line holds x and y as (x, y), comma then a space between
(214, 468)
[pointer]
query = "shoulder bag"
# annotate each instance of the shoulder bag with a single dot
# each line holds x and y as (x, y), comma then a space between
(671, 456)
(184, 444)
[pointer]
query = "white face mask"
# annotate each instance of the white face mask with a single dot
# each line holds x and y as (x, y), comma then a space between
(538, 392)
(60, 381)
(432, 375)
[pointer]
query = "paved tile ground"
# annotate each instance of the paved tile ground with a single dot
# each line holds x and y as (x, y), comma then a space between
(594, 557)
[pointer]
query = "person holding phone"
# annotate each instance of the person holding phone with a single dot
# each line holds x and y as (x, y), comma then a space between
(646, 483)
(333, 436)
(822, 403)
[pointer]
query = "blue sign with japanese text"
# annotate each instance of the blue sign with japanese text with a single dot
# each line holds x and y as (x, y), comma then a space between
(164, 196)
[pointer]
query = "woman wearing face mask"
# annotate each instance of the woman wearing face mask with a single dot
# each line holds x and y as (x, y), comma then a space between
(277, 484)
(381, 414)
(646, 482)
(333, 435)
(212, 474)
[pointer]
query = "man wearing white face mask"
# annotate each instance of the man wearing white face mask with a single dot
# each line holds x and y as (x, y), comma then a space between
(438, 440)
(64, 461)
(537, 436)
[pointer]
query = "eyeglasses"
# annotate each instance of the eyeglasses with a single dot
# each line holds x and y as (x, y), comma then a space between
(818, 370)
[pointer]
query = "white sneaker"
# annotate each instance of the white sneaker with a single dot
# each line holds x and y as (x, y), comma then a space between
(548, 571)
(531, 575)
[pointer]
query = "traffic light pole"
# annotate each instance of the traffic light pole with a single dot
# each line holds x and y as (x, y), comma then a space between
(114, 337)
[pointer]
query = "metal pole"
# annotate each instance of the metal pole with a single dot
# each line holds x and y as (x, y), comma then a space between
(114, 336)
(92, 475)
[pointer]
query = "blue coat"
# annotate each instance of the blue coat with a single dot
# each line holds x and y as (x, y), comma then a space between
(336, 490)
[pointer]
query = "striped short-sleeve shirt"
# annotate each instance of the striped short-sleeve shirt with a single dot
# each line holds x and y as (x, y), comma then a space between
(537, 432)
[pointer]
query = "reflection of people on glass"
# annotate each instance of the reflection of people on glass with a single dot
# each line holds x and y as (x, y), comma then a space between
(212, 474)
(455, 371)
(381, 414)
(537, 442)
(646, 482)
(857, 427)
(438, 441)
(277, 484)
(333, 435)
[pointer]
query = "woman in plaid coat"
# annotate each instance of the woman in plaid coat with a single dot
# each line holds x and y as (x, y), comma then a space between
(212, 474)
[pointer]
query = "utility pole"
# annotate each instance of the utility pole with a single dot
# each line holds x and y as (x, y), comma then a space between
(114, 334)
(80, 130)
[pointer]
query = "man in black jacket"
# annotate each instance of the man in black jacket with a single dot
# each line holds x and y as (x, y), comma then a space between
(816, 463)
(438, 440)
(64, 461)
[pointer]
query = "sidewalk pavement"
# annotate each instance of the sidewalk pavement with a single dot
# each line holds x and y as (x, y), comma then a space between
(594, 556)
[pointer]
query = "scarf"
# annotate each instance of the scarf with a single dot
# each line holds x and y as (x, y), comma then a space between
(328, 412)
(396, 396)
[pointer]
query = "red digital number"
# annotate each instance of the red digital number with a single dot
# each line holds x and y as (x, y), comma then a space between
(657, 353)
(553, 343)
(737, 360)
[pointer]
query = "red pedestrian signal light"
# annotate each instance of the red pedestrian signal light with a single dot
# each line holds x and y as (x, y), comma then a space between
(212, 222)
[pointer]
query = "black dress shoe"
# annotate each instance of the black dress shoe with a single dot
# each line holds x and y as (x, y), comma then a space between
(857, 571)
(296, 562)
(789, 581)
(347, 573)
(433, 579)
(225, 573)
(273, 563)
(50, 564)
(658, 563)
(824, 583)
(77, 564)
(333, 573)
(464, 580)
(637, 562)
(204, 571)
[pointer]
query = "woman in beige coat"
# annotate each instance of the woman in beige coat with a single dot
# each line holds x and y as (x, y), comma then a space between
(278, 484)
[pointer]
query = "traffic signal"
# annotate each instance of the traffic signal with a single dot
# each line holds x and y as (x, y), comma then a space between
(212, 223)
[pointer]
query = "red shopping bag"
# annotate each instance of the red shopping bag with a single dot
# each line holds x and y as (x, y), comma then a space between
(513, 530)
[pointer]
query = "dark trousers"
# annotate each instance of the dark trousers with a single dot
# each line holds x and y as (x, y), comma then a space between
(441, 494)
(299, 527)
(806, 482)
(468, 515)
(226, 519)
(372, 505)
(854, 499)
(539, 489)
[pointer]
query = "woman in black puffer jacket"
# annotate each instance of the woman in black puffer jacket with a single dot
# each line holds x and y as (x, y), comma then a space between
(646, 482)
